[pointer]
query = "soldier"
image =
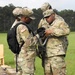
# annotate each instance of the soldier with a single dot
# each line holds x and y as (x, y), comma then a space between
(26, 58)
(27, 54)
(44, 7)
(56, 46)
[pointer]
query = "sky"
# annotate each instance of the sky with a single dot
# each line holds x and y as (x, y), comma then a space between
(56, 4)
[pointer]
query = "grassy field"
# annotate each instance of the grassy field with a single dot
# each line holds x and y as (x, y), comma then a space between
(70, 57)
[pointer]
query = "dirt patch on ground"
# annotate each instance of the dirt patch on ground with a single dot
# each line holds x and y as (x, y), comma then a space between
(7, 70)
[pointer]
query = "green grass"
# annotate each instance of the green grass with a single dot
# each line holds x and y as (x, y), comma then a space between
(70, 57)
(8, 55)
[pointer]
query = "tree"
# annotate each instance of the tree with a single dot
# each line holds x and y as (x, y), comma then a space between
(69, 16)
(7, 18)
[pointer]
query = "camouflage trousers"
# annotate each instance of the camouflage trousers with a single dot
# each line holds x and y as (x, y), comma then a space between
(55, 66)
(26, 62)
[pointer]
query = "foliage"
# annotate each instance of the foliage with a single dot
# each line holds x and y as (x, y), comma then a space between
(7, 18)
(69, 16)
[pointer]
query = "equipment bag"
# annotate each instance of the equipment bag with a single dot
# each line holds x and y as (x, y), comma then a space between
(12, 40)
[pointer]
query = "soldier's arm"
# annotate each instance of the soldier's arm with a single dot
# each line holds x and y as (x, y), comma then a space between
(59, 29)
(27, 37)
(23, 32)
(31, 41)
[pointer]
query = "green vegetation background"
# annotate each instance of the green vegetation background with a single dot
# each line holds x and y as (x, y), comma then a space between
(70, 57)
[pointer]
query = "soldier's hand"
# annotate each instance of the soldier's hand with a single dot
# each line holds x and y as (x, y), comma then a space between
(48, 32)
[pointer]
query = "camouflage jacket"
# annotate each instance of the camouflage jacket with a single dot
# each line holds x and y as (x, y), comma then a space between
(24, 35)
(57, 41)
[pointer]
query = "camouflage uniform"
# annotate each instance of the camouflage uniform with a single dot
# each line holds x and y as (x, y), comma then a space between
(26, 57)
(27, 54)
(56, 45)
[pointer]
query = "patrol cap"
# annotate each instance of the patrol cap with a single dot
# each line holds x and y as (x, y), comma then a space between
(17, 11)
(28, 13)
(48, 13)
(45, 6)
